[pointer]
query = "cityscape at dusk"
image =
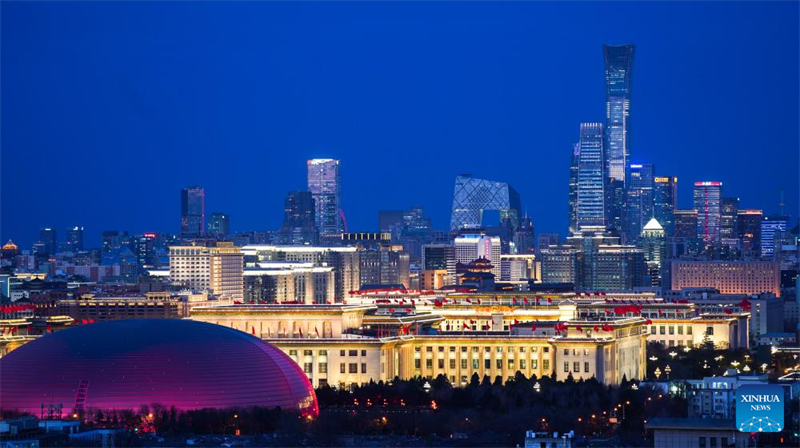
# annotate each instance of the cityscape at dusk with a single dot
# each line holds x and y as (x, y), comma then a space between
(532, 224)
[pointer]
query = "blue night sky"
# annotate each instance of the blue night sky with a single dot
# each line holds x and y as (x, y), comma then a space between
(109, 108)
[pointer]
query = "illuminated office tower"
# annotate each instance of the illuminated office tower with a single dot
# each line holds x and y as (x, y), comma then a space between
(471, 197)
(574, 165)
(218, 269)
(750, 231)
(591, 179)
(74, 240)
(618, 76)
(114, 240)
(299, 223)
(665, 197)
(48, 240)
(639, 203)
(193, 212)
(707, 196)
(219, 224)
(729, 222)
(772, 229)
(324, 185)
(619, 64)
(469, 248)
(653, 243)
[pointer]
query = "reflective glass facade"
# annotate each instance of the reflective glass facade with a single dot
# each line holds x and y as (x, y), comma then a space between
(707, 202)
(591, 177)
(472, 196)
(323, 183)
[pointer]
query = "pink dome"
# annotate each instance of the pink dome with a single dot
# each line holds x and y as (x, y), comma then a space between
(125, 364)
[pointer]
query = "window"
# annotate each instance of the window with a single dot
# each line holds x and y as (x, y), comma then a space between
(576, 367)
(428, 363)
(522, 349)
(487, 364)
(702, 442)
(680, 329)
(566, 352)
(662, 329)
(363, 353)
(464, 364)
(586, 352)
(545, 364)
(341, 368)
(523, 364)
(586, 367)
(441, 349)
(499, 363)
(429, 349)
(710, 332)
(672, 329)
(308, 367)
(341, 352)
(417, 363)
(566, 366)
(688, 329)
(308, 353)
(440, 363)
(323, 382)
(353, 353)
(475, 364)
(511, 364)
(452, 349)
(353, 368)
(534, 363)
(363, 367)
(292, 352)
(452, 363)
(574, 352)
(323, 367)
(653, 330)
(546, 349)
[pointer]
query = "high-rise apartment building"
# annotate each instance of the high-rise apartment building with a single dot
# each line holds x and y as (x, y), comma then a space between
(219, 224)
(750, 231)
(193, 212)
(707, 198)
(218, 269)
(299, 219)
(639, 203)
(591, 178)
(665, 201)
(325, 187)
(618, 71)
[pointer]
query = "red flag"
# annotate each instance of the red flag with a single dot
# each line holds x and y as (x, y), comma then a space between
(479, 301)
(301, 332)
(549, 300)
(533, 327)
(316, 331)
(253, 330)
(648, 322)
(516, 321)
(607, 328)
(466, 327)
(596, 329)
(84, 321)
(514, 300)
(728, 311)
(48, 328)
(525, 299)
(391, 310)
(579, 328)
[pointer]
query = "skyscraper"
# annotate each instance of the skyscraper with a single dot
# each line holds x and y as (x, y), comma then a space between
(193, 212)
(707, 197)
(750, 231)
(299, 223)
(772, 228)
(471, 197)
(574, 166)
(114, 240)
(469, 248)
(48, 240)
(665, 197)
(324, 185)
(591, 178)
(74, 240)
(639, 203)
(729, 222)
(619, 64)
(220, 224)
(653, 243)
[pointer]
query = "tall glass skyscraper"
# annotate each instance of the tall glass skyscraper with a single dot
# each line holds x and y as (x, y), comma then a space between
(324, 185)
(772, 229)
(707, 196)
(591, 177)
(471, 197)
(619, 63)
(193, 211)
(574, 165)
(665, 197)
(639, 203)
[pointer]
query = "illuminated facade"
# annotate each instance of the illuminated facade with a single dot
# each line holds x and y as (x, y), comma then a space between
(640, 200)
(707, 202)
(472, 197)
(750, 231)
(193, 212)
(653, 243)
(619, 66)
(591, 207)
(729, 277)
(289, 282)
(345, 262)
(469, 248)
(217, 269)
(324, 185)
(665, 201)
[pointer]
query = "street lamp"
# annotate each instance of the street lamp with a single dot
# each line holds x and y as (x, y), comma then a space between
(653, 358)
(658, 372)
(537, 387)
(427, 387)
(746, 368)
(673, 354)
(735, 363)
(764, 367)
(667, 370)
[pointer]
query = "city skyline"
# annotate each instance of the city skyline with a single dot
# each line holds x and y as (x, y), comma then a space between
(540, 150)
